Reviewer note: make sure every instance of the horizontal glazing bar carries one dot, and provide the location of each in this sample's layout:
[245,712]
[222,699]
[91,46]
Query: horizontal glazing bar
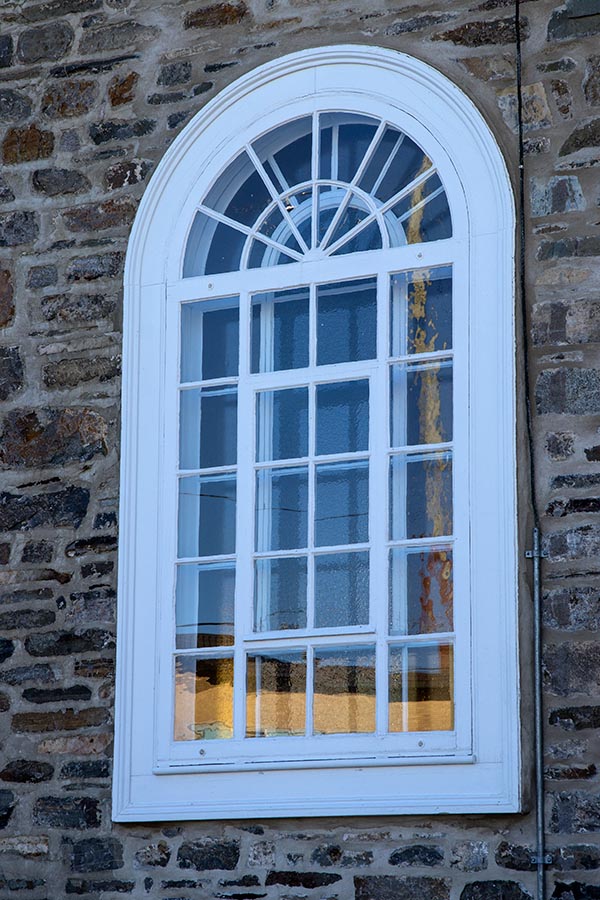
[210,382]
[334,548]
[435,541]
[310,639]
[206,560]
[213,471]
[423,358]
[303,460]
[420,448]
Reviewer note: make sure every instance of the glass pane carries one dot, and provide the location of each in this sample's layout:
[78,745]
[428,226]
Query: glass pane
[203,698]
[208,428]
[239,192]
[421,591]
[424,214]
[280,593]
[282,424]
[287,152]
[421,692]
[280,330]
[342,417]
[407,161]
[344,140]
[421,311]
[356,212]
[262,255]
[276,699]
[381,160]
[342,504]
[344,686]
[209,339]
[369,238]
[421,403]
[347,319]
[341,589]
[421,495]
[299,206]
[282,509]
[212,247]
[204,605]
[206,515]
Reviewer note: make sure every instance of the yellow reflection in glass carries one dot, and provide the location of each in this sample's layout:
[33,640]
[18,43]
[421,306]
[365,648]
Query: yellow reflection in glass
[276,697]
[203,698]
[344,690]
[421,693]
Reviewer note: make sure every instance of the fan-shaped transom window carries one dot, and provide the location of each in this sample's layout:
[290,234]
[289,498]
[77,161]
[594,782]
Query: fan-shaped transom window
[322,185]
[317,564]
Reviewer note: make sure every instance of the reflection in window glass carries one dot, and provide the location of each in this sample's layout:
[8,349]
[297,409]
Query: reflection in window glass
[421,495]
[206,515]
[421,403]
[203,698]
[280,593]
[344,686]
[282,509]
[204,605]
[341,589]
[346,321]
[276,698]
[421,691]
[280,330]
[421,311]
[209,339]
[421,590]
[342,504]
[342,417]
[282,424]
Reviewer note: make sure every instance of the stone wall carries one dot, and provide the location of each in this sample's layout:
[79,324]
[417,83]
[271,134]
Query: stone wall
[92,92]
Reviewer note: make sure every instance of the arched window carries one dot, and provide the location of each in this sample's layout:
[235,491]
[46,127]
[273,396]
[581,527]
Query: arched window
[317,530]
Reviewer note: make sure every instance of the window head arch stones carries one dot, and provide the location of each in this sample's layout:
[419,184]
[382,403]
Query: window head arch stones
[318,403]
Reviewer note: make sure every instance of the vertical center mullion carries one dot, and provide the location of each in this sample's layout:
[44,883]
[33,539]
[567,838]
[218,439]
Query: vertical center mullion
[378,519]
[244,580]
[310,611]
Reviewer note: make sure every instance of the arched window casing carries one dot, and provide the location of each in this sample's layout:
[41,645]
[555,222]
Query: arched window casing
[317,588]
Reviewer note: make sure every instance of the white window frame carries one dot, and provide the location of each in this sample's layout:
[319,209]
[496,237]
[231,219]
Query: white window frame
[480,771]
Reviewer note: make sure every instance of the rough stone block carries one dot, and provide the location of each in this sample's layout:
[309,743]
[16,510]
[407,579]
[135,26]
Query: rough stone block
[19,227]
[216,16]
[96,855]
[417,855]
[536,112]
[577,856]
[67,812]
[57,695]
[73,307]
[86,768]
[46,42]
[515,856]
[583,137]
[90,268]
[572,668]
[394,887]
[14,106]
[96,888]
[69,99]
[26,619]
[11,371]
[209,853]
[27,144]
[7,806]
[469,856]
[37,551]
[568,391]
[174,73]
[126,173]
[94,668]
[494,890]
[484,33]
[65,720]
[575,813]
[7,648]
[27,771]
[572,609]
[116,37]
[100,544]
[103,132]
[153,855]
[577,543]
[56,8]
[591,82]
[6,50]
[98,216]
[28,847]
[7,194]
[51,436]
[122,90]
[96,605]
[41,276]
[302,879]
[562,97]
[571,21]
[559,194]
[40,673]
[63,643]
[66,373]
[417,23]
[7,298]
[560,445]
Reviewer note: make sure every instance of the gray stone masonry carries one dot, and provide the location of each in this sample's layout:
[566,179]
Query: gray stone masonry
[92,93]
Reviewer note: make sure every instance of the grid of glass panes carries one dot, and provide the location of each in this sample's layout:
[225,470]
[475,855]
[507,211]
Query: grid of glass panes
[421,691]
[311,657]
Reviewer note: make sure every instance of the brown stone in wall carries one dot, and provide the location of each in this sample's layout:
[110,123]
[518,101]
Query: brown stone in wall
[216,15]
[27,144]
[591,82]
[122,90]
[7,295]
[50,437]
[97,216]
[116,37]
[70,372]
[482,33]
[68,99]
